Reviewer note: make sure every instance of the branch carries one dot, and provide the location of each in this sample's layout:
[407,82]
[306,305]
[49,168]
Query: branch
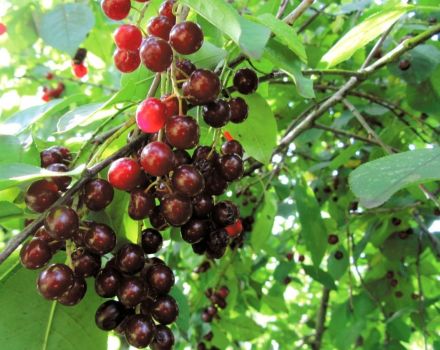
[320,321]
[282,8]
[312,18]
[296,13]
[87,175]
[354,82]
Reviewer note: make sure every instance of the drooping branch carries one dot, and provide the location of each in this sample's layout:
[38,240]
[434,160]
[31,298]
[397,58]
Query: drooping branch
[320,319]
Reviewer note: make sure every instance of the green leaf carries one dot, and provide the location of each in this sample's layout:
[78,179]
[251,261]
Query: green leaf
[259,143]
[66,26]
[287,62]
[262,228]
[208,56]
[49,326]
[375,182]
[242,327]
[285,33]
[9,210]
[313,229]
[423,97]
[81,116]
[249,36]
[13,174]
[362,34]
[184,311]
[320,276]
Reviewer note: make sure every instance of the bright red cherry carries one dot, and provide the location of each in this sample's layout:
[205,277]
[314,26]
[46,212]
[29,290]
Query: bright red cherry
[126,61]
[128,37]
[186,37]
[124,174]
[234,229]
[160,26]
[157,158]
[166,9]
[151,115]
[3,28]
[156,54]
[182,132]
[116,9]
[79,70]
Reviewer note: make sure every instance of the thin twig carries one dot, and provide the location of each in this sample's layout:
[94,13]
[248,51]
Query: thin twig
[282,8]
[298,11]
[312,18]
[320,319]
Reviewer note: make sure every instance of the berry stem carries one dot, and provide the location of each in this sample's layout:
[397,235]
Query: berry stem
[49,325]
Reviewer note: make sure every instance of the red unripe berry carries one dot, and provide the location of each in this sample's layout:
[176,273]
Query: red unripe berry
[49,76]
[3,28]
[234,229]
[228,136]
[157,158]
[186,38]
[79,70]
[172,104]
[116,9]
[124,174]
[151,115]
[126,61]
[160,26]
[156,54]
[128,37]
[166,9]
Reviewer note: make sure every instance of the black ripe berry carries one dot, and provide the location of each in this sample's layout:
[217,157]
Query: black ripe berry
[246,81]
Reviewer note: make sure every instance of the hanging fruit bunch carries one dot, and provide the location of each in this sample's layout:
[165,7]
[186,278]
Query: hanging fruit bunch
[172,180]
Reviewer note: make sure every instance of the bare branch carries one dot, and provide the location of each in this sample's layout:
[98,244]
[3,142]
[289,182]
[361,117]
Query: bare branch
[297,12]
[320,320]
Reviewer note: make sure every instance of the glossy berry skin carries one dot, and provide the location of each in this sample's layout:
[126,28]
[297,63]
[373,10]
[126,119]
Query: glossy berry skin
[234,229]
[232,147]
[61,223]
[124,174]
[245,81]
[186,37]
[225,213]
[239,110]
[404,65]
[157,220]
[55,281]
[157,158]
[156,54]
[202,87]
[130,258]
[176,210]
[79,70]
[50,156]
[107,282]
[126,61]
[202,205]
[141,204]
[231,167]
[85,264]
[195,230]
[160,278]
[165,310]
[160,26]
[62,182]
[75,293]
[163,338]
[44,236]
[217,240]
[217,114]
[35,254]
[131,291]
[182,132]
[100,239]
[166,9]
[333,239]
[215,184]
[184,69]
[116,9]
[98,194]
[151,241]
[128,37]
[181,157]
[139,331]
[109,315]
[171,103]
[151,115]
[41,195]
[187,181]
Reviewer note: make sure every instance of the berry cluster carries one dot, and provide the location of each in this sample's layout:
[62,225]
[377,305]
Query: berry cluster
[51,93]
